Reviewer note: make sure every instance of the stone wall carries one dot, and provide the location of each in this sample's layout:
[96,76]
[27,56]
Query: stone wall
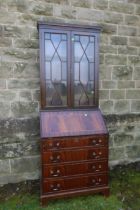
[19,77]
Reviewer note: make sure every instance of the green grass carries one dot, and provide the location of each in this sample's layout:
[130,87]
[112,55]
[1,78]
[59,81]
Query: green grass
[124,195]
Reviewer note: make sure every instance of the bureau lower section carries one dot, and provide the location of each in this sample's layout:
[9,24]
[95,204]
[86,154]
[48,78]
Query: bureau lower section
[74,166]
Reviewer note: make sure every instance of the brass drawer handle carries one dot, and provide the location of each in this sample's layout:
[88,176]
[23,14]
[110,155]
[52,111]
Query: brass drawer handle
[100,140]
[94,141]
[93,167]
[55,187]
[93,181]
[100,153]
[58,144]
[55,159]
[55,174]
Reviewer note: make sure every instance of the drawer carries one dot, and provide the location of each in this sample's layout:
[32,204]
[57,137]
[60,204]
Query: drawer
[56,185]
[60,143]
[74,155]
[56,170]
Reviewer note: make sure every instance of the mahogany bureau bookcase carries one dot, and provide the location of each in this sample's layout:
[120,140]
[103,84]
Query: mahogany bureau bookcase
[74,138]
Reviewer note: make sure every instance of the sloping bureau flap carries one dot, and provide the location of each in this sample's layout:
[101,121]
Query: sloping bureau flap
[71,123]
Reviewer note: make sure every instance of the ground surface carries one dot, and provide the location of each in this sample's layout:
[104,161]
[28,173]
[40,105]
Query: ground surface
[125,195]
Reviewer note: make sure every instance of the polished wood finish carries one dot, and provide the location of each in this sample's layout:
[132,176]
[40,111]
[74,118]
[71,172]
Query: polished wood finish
[71,123]
[74,137]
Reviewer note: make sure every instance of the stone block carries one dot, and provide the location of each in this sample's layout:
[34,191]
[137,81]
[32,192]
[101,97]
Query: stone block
[101,58]
[19,55]
[25,164]
[100,4]
[37,8]
[122,72]
[12,150]
[117,94]
[16,31]
[6,70]
[5,42]
[26,70]
[134,1]
[24,109]
[132,20]
[135,105]
[2,84]
[116,153]
[104,94]
[93,15]
[68,12]
[126,84]
[108,49]
[133,94]
[63,2]
[17,6]
[134,60]
[121,7]
[26,43]
[104,39]
[123,139]
[136,75]
[4,109]
[4,167]
[137,83]
[121,106]
[106,106]
[134,41]
[133,151]
[82,3]
[25,95]
[115,59]
[104,72]
[138,10]
[23,84]
[19,129]
[7,95]
[109,28]
[118,40]
[127,31]
[109,84]
[114,18]
[36,95]
[7,17]
[127,50]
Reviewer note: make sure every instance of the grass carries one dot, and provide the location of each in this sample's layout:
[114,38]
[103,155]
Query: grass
[124,195]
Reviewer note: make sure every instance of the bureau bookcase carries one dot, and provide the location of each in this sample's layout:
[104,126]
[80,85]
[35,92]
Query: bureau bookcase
[74,138]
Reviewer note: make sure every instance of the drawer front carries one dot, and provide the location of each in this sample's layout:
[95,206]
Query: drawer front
[74,155]
[58,185]
[58,143]
[56,170]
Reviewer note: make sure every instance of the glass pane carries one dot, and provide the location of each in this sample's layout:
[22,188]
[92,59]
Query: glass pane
[91,74]
[48,70]
[49,50]
[56,38]
[56,70]
[78,51]
[47,36]
[84,71]
[64,71]
[90,52]
[76,71]
[91,38]
[84,41]
[64,37]
[62,51]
